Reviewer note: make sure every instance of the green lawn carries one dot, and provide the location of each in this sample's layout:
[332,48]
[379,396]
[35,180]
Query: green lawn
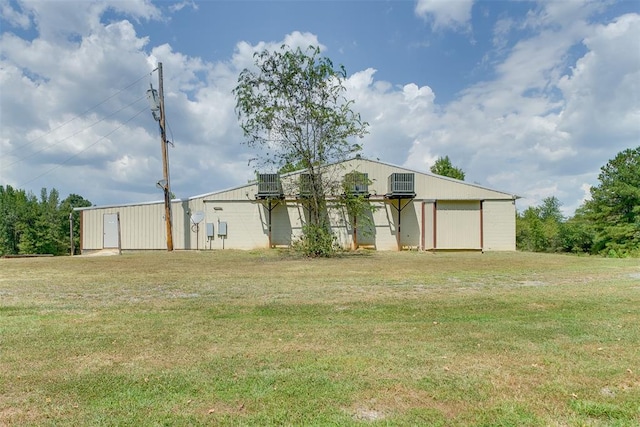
[265,338]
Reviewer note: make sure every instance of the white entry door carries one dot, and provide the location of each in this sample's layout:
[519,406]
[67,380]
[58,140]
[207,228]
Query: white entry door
[110,238]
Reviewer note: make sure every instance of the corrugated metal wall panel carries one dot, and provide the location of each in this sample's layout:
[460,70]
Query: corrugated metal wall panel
[92,230]
[246,225]
[183,237]
[187,235]
[341,226]
[143,227]
[409,223]
[458,225]
[384,219]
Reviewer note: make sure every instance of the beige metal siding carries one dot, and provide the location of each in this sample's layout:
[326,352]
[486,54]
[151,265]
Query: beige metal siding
[407,221]
[341,226]
[458,225]
[364,227]
[499,225]
[141,227]
[385,220]
[246,225]
[91,232]
[187,235]
[384,228]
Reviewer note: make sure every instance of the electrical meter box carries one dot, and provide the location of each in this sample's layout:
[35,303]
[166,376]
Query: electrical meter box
[222,229]
[210,230]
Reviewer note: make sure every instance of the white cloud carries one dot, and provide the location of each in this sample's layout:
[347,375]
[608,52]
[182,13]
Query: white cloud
[243,53]
[15,17]
[586,190]
[68,21]
[445,14]
[396,115]
[603,101]
[562,13]
[176,7]
[299,39]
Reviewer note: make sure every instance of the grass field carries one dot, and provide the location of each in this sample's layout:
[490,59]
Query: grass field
[264,338]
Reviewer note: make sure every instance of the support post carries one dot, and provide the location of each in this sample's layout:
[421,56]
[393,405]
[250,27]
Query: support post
[435,226]
[71,232]
[119,234]
[422,221]
[270,209]
[399,228]
[399,236]
[355,232]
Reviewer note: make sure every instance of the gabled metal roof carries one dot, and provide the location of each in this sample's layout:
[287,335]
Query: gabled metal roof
[289,174]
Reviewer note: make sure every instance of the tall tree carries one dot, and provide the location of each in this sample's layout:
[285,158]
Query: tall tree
[578,233]
[443,167]
[550,210]
[41,230]
[27,225]
[13,205]
[541,228]
[292,108]
[529,231]
[614,208]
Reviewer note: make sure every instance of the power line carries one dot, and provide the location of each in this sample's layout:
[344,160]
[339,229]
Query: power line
[80,115]
[74,134]
[85,149]
[170,132]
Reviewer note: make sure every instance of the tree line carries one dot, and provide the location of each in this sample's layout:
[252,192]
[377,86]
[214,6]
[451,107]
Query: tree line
[32,225]
[608,224]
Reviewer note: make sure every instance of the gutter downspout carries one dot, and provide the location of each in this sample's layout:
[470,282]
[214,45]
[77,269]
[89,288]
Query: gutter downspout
[422,245]
[482,225]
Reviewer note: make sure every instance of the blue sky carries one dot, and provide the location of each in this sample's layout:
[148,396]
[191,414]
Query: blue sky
[526,97]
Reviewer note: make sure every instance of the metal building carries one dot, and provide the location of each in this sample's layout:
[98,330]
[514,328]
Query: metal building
[411,210]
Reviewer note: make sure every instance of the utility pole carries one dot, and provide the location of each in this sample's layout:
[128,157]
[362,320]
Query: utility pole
[157,106]
[165,162]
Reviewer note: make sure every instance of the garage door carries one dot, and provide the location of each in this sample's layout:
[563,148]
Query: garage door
[458,225]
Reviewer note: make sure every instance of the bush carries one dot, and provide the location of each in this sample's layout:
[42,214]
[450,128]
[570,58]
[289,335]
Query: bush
[316,241]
